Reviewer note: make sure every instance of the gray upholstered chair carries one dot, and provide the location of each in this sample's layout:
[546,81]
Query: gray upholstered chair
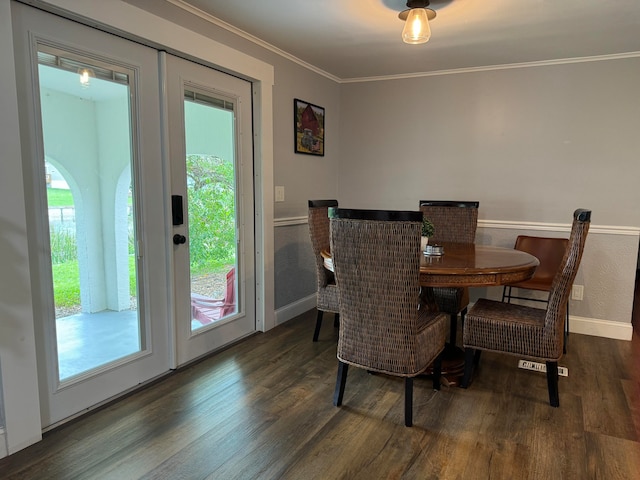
[526,331]
[454,221]
[327,292]
[376,259]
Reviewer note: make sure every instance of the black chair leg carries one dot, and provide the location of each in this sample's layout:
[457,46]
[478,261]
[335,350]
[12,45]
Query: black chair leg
[408,401]
[336,320]
[552,383]
[469,357]
[341,380]
[476,357]
[566,331]
[463,313]
[318,325]
[437,371]
[453,329]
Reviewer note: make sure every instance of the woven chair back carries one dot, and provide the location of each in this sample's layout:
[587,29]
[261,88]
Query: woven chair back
[376,259]
[563,280]
[453,221]
[319,235]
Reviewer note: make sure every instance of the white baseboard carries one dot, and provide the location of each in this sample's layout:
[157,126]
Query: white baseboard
[582,325]
[600,328]
[3,443]
[294,309]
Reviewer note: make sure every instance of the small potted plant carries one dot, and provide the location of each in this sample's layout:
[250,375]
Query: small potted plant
[427,231]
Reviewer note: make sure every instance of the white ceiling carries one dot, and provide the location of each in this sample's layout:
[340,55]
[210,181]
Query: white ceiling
[351,39]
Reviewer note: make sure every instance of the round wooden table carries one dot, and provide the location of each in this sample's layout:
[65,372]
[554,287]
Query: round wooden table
[470,265]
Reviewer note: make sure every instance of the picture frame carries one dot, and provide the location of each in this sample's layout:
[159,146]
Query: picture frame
[308,128]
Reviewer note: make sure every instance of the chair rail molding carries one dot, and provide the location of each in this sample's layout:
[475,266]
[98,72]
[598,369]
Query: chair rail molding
[289,221]
[558,227]
[507,225]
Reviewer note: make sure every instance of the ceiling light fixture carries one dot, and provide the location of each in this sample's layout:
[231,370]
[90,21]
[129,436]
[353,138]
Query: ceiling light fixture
[86,74]
[416,28]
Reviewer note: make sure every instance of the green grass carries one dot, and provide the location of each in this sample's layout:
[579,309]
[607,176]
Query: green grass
[66,281]
[59,197]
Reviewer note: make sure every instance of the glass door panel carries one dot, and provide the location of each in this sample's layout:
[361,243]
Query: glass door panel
[86,127]
[211,194]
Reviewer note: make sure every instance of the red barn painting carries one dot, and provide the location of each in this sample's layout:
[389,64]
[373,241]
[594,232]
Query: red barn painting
[309,121]
[309,128]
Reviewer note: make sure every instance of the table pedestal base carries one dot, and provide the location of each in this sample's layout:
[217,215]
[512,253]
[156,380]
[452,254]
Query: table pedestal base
[452,366]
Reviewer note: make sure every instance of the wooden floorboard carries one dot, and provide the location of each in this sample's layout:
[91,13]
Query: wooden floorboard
[263,409]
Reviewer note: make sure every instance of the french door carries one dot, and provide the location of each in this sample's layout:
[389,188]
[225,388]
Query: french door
[209,120]
[112,304]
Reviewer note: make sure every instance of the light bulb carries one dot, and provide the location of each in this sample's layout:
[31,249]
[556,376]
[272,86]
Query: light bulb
[416,28]
[85,76]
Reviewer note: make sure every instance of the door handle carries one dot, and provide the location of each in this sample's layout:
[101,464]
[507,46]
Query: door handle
[177,215]
[179,239]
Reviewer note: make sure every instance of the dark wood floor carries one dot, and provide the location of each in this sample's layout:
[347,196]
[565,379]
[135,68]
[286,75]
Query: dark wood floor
[636,305]
[262,410]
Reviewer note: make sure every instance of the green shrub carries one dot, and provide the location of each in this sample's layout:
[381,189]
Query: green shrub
[212,222]
[63,245]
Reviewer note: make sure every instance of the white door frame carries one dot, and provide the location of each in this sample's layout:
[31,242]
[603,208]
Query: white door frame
[20,378]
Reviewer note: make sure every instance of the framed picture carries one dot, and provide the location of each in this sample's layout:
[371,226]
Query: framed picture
[308,122]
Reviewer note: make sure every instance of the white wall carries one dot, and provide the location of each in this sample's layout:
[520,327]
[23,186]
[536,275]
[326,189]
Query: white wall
[17,344]
[531,144]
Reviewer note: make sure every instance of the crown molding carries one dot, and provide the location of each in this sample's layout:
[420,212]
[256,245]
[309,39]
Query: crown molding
[487,68]
[247,36]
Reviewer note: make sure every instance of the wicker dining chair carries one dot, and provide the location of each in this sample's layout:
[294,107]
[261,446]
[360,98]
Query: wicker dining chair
[454,221]
[327,291]
[549,252]
[376,259]
[526,331]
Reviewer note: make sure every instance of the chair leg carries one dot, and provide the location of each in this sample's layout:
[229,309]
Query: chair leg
[506,293]
[469,360]
[318,325]
[462,315]
[437,371]
[341,380]
[453,329]
[552,383]
[336,320]
[566,331]
[476,357]
[408,401]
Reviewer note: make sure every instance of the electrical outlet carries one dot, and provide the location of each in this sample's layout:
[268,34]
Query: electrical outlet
[577,292]
[279,194]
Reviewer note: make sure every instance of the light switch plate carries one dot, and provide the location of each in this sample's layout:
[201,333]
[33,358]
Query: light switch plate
[279,194]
